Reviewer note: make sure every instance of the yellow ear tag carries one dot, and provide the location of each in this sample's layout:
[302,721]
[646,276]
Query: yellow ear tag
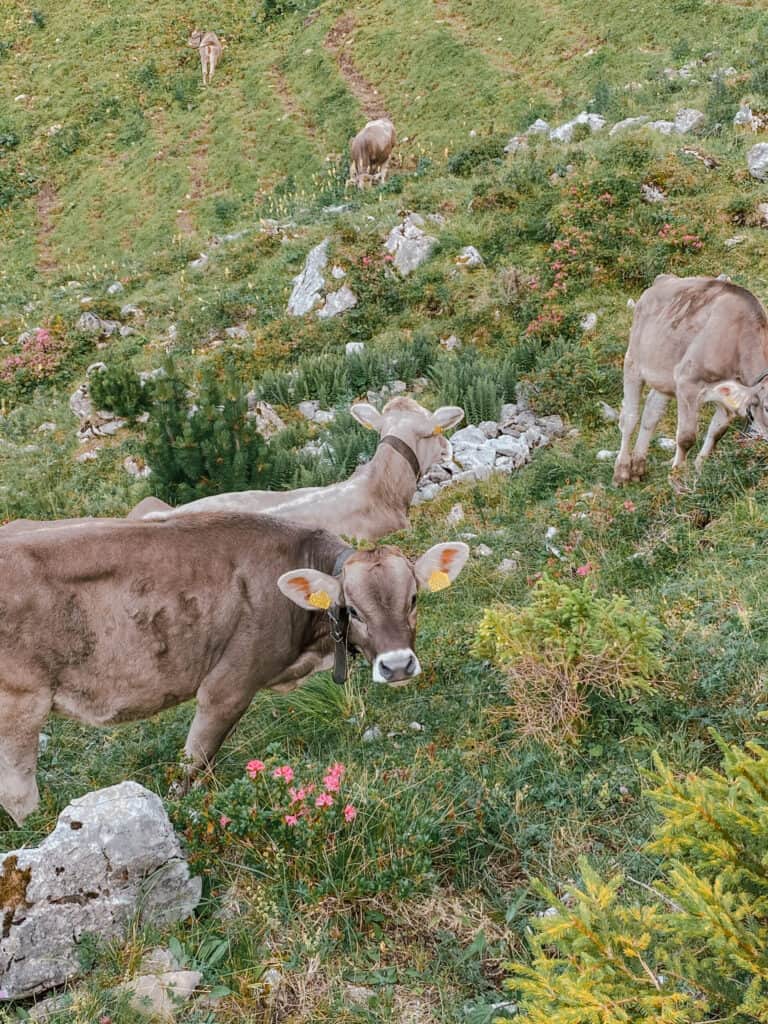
[319,599]
[438,581]
[733,403]
[438,430]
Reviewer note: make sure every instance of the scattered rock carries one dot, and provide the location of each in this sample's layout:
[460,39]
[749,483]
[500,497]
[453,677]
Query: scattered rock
[757,161]
[126,331]
[564,132]
[337,302]
[238,332]
[353,348]
[410,244]
[308,408]
[609,414]
[372,734]
[515,144]
[606,455]
[662,127]
[588,322]
[112,858]
[455,516]
[469,258]
[729,243]
[507,566]
[450,343]
[338,272]
[136,467]
[483,551]
[47,427]
[89,323]
[539,127]
[667,444]
[688,119]
[308,285]
[744,118]
[89,456]
[416,727]
[201,263]
[115,288]
[628,123]
[489,427]
[159,995]
[358,995]
[653,194]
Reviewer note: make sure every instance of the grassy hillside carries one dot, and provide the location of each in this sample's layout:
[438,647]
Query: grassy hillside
[116,165]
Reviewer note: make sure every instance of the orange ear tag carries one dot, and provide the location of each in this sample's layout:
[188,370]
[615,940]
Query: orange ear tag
[438,430]
[319,599]
[438,581]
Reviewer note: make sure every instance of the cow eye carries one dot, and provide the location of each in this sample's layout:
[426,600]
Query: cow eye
[413,601]
[354,614]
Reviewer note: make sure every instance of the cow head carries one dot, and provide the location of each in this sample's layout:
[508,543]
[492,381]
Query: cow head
[744,400]
[421,429]
[378,588]
[195,39]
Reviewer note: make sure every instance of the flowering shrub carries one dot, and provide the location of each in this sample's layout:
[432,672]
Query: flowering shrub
[41,354]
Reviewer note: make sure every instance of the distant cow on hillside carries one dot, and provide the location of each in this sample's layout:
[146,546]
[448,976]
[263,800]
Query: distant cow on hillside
[209,47]
[697,339]
[370,150]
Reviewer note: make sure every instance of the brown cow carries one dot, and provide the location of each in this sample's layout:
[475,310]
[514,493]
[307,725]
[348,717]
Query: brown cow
[375,500]
[697,339]
[209,47]
[114,621]
[370,150]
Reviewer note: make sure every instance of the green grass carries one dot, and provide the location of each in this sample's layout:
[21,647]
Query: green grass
[456,819]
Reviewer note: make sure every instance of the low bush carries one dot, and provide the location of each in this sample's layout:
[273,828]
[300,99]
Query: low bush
[565,652]
[120,389]
[467,161]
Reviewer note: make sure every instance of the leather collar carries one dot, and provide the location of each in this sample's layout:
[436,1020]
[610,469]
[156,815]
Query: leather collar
[339,616]
[405,450]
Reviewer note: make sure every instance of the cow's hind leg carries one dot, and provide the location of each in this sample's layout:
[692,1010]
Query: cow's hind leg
[22,716]
[655,404]
[717,427]
[630,413]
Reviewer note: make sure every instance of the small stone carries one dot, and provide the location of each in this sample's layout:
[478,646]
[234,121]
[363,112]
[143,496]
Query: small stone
[324,416]
[455,516]
[744,117]
[353,348]
[539,127]
[338,272]
[409,244]
[469,258]
[337,302]
[416,726]
[729,243]
[553,424]
[507,566]
[450,343]
[136,467]
[609,414]
[757,161]
[43,742]
[160,994]
[631,303]
[358,995]
[201,263]
[89,323]
[115,288]
[132,310]
[46,427]
[662,127]
[689,120]
[426,492]
[308,408]
[483,551]
[667,444]
[238,332]
[564,132]
[653,194]
[468,436]
[126,330]
[489,428]
[588,322]
[372,734]
[628,123]
[89,456]
[516,144]
[606,455]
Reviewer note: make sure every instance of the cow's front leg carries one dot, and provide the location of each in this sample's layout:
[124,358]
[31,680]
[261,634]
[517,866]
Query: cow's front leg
[218,712]
[630,413]
[718,425]
[22,716]
[655,404]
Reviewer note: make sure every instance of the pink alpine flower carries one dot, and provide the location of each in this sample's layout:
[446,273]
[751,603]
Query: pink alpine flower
[324,800]
[284,772]
[332,780]
[350,813]
[584,570]
[255,767]
[224,821]
[291,820]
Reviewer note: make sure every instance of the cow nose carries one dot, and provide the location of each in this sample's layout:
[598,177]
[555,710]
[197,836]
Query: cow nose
[395,666]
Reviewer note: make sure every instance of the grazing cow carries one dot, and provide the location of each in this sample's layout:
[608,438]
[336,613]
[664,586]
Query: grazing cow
[370,150]
[114,621]
[375,500]
[209,48]
[697,339]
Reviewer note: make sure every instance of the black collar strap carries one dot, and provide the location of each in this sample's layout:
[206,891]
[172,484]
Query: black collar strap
[405,450]
[760,379]
[339,616]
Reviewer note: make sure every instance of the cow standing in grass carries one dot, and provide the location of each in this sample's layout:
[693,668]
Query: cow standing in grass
[110,622]
[695,339]
[370,150]
[209,47]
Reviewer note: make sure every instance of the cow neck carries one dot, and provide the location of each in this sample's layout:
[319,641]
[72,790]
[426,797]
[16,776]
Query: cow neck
[394,473]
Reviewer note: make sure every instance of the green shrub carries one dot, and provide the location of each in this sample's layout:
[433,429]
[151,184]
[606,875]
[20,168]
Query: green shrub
[119,388]
[209,448]
[696,948]
[566,650]
[479,385]
[467,161]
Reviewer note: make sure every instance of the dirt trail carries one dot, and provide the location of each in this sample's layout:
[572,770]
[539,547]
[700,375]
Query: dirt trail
[337,43]
[198,166]
[47,206]
[288,102]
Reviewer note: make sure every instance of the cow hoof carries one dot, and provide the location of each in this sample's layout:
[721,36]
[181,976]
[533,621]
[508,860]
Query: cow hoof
[621,475]
[638,471]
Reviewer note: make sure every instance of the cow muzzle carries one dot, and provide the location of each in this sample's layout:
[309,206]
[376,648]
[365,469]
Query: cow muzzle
[396,667]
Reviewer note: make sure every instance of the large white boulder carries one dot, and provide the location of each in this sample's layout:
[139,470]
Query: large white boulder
[113,858]
[308,285]
[757,161]
[409,244]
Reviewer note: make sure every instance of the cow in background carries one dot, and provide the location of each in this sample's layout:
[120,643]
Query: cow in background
[370,150]
[209,47]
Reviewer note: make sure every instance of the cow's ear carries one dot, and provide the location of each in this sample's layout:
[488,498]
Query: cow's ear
[734,396]
[366,415]
[310,589]
[445,417]
[439,567]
